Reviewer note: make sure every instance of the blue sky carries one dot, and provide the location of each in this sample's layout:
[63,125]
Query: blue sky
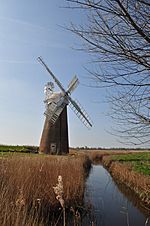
[29,29]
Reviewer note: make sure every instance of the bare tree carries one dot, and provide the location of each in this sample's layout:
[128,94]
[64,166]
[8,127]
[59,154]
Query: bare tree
[117,34]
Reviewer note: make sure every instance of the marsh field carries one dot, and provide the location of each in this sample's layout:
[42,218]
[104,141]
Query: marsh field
[99,188]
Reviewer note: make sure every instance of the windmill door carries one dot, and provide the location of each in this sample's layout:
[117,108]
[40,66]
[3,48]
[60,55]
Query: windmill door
[53,148]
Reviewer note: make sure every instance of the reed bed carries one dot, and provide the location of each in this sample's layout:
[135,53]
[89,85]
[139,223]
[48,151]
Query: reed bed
[26,187]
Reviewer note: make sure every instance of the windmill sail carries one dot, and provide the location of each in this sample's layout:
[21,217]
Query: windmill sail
[80,112]
[53,76]
[73,84]
[54,106]
[53,114]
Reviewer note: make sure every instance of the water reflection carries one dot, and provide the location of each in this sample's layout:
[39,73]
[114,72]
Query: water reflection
[109,206]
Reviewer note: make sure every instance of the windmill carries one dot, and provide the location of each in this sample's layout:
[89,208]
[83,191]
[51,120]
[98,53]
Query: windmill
[54,139]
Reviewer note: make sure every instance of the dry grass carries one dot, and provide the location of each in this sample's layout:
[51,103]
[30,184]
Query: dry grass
[26,187]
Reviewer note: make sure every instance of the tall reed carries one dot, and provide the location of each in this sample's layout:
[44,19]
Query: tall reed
[26,187]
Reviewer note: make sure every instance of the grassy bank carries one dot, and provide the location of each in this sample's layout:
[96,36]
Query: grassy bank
[26,187]
[139,162]
[132,170]
[18,149]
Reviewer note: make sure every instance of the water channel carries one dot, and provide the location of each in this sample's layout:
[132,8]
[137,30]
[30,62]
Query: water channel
[109,206]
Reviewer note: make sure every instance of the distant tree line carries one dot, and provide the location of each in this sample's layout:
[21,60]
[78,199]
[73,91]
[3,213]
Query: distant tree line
[103,148]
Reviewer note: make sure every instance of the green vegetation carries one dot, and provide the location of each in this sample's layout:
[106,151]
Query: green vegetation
[140,162]
[133,156]
[17,148]
[6,154]
[142,167]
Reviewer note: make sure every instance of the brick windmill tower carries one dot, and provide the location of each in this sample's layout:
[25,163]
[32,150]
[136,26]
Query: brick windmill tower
[54,139]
